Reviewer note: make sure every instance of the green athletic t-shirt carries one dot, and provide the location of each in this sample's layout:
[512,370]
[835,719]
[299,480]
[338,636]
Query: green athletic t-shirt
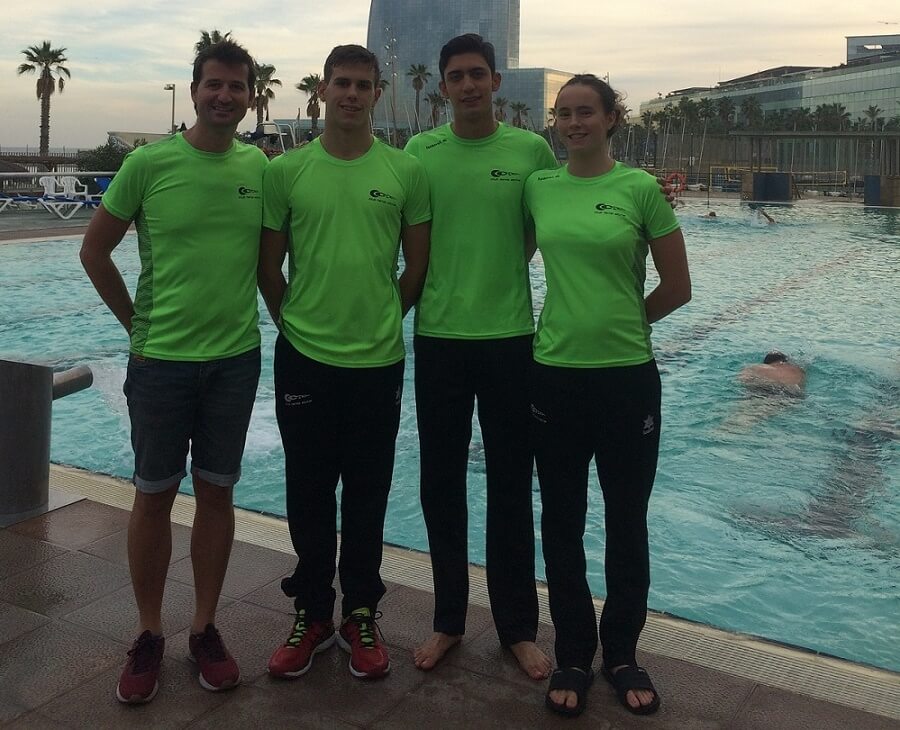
[344,217]
[477,285]
[198,216]
[593,236]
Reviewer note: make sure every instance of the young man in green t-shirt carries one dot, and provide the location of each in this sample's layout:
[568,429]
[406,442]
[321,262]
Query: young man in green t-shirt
[340,205]
[195,199]
[474,328]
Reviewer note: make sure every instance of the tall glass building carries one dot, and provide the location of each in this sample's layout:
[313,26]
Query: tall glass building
[403,33]
[869,78]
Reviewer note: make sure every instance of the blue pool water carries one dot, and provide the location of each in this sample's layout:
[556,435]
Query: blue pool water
[774,518]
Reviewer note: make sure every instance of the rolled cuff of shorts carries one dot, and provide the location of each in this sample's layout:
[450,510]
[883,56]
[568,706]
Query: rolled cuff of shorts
[160,485]
[220,480]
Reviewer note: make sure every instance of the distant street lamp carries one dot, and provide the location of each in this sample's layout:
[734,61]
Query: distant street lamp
[171,87]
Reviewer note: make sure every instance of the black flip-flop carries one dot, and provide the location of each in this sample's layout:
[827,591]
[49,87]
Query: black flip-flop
[628,679]
[570,679]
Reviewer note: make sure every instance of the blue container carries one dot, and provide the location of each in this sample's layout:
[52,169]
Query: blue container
[872,190]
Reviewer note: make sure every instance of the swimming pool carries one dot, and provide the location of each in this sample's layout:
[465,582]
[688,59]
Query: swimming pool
[775,519]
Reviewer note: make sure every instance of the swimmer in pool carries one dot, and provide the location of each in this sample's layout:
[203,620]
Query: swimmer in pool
[776,374]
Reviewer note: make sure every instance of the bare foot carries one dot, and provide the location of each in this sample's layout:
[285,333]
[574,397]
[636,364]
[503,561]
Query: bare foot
[433,650]
[533,661]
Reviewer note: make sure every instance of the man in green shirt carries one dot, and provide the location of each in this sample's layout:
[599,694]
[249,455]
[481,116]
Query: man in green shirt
[340,205]
[474,328]
[195,199]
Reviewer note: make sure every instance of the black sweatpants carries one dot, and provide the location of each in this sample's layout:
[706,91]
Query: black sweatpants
[610,415]
[336,423]
[450,375]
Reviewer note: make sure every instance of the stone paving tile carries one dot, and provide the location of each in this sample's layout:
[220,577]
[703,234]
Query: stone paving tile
[250,568]
[93,704]
[769,708]
[19,552]
[455,698]
[15,621]
[272,597]
[35,721]
[407,619]
[250,707]
[115,547]
[116,616]
[75,525]
[48,661]
[64,583]
[332,690]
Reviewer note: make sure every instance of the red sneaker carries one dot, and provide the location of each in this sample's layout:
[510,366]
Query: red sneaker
[361,637]
[218,669]
[295,656]
[139,681]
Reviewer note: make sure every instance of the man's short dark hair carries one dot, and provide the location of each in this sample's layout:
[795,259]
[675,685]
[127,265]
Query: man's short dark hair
[467,43]
[351,55]
[773,357]
[229,53]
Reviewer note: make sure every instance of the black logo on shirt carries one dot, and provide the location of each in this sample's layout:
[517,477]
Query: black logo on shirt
[505,175]
[245,192]
[434,144]
[607,209]
[377,196]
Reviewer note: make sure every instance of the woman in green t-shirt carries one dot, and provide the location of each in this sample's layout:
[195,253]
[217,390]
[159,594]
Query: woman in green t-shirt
[596,387]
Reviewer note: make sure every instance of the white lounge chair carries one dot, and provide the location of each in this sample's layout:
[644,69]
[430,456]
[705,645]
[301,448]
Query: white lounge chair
[76,190]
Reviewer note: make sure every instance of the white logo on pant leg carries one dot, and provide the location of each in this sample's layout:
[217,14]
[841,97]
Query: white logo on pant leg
[538,414]
[301,399]
[649,425]
[398,395]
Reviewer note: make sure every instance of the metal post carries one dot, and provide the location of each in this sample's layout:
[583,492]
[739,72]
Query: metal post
[26,394]
[171,87]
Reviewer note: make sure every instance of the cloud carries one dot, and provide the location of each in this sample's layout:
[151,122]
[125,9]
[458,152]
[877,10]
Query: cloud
[121,55]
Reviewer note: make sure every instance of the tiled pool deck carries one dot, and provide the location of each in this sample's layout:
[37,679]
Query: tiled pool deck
[67,618]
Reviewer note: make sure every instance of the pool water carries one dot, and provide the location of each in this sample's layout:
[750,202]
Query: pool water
[777,517]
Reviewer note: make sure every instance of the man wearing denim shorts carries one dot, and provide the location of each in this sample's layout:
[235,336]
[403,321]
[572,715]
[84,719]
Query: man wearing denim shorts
[195,199]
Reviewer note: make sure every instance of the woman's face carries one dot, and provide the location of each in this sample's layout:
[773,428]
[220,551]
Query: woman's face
[581,119]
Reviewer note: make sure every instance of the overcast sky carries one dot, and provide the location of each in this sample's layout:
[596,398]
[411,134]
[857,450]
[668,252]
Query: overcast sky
[121,55]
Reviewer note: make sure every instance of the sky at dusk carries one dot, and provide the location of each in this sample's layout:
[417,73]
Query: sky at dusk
[121,55]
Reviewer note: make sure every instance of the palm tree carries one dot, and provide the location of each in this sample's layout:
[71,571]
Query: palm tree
[436,100]
[46,61]
[751,111]
[419,74]
[725,111]
[264,93]
[872,112]
[519,108]
[500,103]
[309,85]
[210,38]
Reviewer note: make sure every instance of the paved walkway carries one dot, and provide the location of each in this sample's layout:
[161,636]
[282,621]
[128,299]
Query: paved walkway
[67,618]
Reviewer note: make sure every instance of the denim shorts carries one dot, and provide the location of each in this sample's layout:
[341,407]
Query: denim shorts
[201,407]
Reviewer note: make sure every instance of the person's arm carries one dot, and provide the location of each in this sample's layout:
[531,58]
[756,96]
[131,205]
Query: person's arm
[667,192]
[269,276]
[104,233]
[674,288]
[416,241]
